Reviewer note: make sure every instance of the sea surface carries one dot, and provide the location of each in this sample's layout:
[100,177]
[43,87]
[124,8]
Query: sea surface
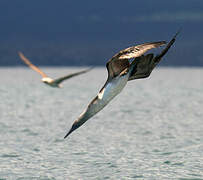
[152,130]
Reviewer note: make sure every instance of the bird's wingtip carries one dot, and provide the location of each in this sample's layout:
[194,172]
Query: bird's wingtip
[20,53]
[178,32]
[161,43]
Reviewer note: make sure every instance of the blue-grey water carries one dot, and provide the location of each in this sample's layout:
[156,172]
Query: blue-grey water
[152,130]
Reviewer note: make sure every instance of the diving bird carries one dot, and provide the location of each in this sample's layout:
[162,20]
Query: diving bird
[120,71]
[47,80]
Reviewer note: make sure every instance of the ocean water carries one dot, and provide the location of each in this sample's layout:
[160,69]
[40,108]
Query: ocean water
[152,130]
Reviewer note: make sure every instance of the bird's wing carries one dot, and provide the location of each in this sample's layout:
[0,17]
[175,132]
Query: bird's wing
[119,62]
[59,80]
[116,66]
[157,59]
[143,65]
[35,68]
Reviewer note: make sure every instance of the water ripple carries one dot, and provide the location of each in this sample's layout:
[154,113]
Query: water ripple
[155,134]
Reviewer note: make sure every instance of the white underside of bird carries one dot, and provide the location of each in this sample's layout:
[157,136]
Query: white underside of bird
[49,81]
[112,88]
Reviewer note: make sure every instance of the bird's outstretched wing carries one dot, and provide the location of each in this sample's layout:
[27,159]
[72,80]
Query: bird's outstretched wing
[143,65]
[119,62]
[157,59]
[27,61]
[59,80]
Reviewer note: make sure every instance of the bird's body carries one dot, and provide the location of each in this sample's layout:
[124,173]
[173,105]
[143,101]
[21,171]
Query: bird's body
[47,80]
[113,87]
[120,71]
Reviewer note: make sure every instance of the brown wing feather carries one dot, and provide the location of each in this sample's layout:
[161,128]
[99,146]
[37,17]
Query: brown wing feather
[116,67]
[144,65]
[119,62]
[136,51]
[35,68]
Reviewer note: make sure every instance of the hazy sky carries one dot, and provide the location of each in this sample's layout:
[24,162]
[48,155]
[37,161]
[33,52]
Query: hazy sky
[76,32]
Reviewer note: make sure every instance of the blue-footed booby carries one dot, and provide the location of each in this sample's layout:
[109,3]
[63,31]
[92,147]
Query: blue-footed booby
[47,80]
[120,71]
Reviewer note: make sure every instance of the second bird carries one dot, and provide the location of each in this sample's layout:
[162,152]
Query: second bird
[47,80]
